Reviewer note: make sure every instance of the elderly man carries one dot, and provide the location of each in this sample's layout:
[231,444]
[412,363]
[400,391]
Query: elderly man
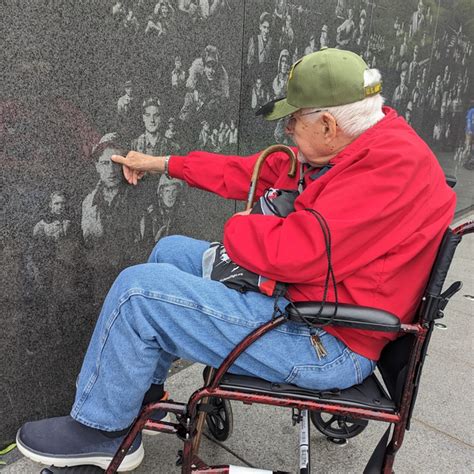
[383,196]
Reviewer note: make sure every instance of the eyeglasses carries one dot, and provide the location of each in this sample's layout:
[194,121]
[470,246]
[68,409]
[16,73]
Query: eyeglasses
[291,119]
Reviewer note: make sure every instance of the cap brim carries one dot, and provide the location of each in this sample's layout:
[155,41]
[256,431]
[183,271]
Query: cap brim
[276,109]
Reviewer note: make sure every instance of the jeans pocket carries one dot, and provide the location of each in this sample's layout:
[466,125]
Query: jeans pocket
[338,373]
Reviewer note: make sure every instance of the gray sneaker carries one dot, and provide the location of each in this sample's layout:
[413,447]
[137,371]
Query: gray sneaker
[65,442]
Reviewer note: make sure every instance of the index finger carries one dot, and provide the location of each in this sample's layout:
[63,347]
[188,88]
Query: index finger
[118,159]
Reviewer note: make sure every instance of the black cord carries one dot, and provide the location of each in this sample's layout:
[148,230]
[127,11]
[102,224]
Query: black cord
[329,274]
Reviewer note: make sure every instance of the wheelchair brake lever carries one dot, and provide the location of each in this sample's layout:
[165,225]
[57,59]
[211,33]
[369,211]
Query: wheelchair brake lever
[452,290]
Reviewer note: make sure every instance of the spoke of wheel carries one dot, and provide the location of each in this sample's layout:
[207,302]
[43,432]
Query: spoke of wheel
[328,423]
[345,427]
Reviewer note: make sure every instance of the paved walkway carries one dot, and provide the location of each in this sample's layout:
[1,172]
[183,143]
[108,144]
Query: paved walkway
[440,440]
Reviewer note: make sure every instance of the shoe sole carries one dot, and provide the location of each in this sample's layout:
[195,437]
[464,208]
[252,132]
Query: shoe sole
[167,418]
[129,463]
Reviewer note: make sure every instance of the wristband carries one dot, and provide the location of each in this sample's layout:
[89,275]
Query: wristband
[167,161]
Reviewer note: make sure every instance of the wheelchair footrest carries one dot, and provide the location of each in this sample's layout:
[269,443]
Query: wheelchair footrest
[369,394]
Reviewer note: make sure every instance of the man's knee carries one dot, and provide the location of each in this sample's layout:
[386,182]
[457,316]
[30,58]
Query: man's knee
[166,248]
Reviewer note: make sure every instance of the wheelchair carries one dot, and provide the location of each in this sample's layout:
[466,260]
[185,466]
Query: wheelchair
[338,414]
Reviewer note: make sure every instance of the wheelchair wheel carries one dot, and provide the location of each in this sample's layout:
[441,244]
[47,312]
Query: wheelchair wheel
[220,420]
[337,427]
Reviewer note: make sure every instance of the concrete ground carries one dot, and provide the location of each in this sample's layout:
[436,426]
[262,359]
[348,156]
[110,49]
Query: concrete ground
[440,439]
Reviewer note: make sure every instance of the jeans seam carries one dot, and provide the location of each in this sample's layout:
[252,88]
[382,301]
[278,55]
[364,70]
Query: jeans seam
[191,305]
[211,312]
[357,367]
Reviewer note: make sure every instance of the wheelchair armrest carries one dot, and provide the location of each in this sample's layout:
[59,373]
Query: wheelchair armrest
[451,180]
[356,317]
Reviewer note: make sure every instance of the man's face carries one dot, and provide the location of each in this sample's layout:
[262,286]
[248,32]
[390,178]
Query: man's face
[307,132]
[109,172]
[169,194]
[403,78]
[58,205]
[128,91]
[265,30]
[210,70]
[151,118]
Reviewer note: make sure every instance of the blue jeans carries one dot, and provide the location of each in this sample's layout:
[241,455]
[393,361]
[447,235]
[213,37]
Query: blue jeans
[163,310]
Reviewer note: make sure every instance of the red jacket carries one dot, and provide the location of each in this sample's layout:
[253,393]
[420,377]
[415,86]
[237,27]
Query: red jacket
[387,206]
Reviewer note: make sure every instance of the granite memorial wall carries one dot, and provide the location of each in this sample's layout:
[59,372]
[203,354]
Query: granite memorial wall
[84,80]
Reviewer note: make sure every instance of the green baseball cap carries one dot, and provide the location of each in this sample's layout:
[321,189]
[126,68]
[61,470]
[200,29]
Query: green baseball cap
[326,78]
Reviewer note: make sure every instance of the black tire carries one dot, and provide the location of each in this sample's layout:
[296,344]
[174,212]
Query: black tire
[337,427]
[221,421]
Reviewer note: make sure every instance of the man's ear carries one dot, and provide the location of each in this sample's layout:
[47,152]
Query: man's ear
[330,125]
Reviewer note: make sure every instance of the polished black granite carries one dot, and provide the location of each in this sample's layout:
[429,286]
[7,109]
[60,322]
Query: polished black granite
[83,79]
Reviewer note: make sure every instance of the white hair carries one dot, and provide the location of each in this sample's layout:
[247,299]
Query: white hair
[354,119]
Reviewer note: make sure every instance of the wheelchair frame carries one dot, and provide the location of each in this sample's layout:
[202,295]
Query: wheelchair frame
[382,460]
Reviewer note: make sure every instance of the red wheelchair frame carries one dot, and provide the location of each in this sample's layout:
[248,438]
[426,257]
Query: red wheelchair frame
[400,365]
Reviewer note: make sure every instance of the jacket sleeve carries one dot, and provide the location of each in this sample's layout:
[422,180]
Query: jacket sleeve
[226,175]
[368,214]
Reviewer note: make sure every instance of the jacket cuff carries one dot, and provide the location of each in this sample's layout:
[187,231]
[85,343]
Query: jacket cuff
[176,166]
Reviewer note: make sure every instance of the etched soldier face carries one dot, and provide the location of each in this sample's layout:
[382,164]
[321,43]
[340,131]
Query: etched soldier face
[57,204]
[151,118]
[109,172]
[210,70]
[265,30]
[403,78]
[169,194]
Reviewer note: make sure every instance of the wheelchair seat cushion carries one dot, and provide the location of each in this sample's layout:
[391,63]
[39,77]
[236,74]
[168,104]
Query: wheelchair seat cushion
[369,394]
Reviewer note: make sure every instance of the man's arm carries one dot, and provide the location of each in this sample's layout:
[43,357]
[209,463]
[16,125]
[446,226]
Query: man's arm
[226,175]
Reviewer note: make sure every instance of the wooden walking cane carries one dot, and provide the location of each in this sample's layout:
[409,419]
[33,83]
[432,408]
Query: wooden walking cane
[250,201]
